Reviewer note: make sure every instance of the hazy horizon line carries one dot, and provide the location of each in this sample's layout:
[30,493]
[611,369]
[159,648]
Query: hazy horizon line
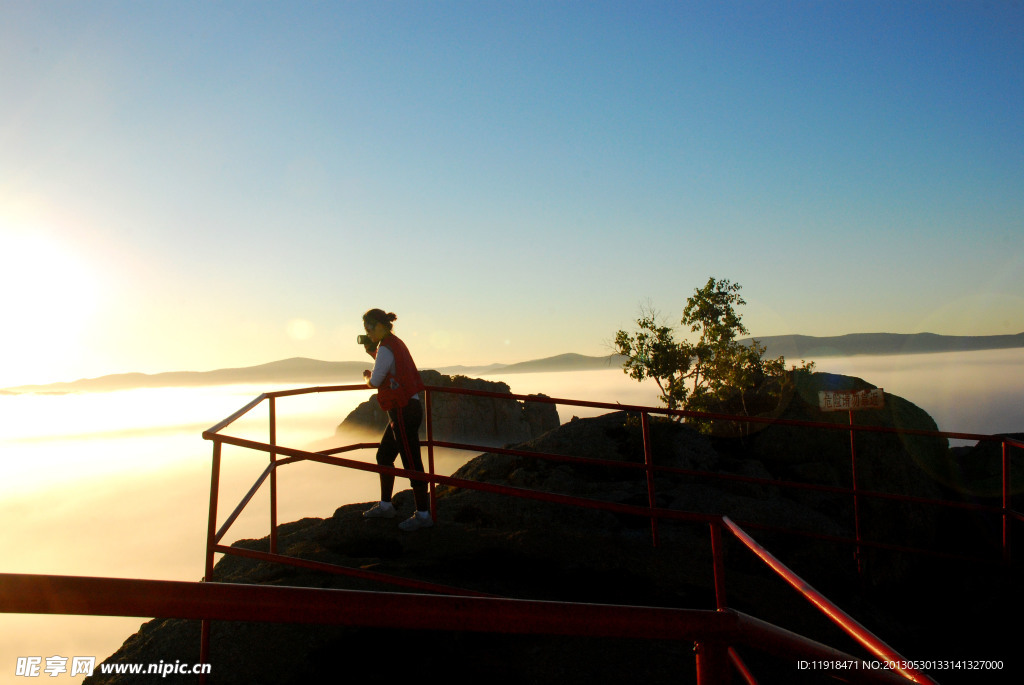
[298,369]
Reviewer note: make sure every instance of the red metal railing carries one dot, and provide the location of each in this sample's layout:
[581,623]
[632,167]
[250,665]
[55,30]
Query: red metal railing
[852,628]
[46,594]
[712,663]
[716,633]
[1006,512]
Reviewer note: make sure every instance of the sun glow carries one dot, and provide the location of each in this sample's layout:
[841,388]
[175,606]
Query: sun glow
[48,295]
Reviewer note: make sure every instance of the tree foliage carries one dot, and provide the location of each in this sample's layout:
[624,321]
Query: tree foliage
[717,373]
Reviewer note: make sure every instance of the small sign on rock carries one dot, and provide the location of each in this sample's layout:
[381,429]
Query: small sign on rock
[850,400]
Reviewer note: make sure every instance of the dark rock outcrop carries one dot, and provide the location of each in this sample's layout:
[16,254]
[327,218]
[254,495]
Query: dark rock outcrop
[977,478]
[890,463]
[978,470]
[482,420]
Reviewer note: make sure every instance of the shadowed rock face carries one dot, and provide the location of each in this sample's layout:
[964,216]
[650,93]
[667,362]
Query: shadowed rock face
[483,420]
[900,464]
[979,470]
[528,549]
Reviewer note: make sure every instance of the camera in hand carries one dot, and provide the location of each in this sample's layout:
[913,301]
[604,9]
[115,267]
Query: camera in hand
[364,340]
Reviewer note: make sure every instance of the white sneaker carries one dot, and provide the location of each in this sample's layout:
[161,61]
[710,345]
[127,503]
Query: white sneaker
[380,511]
[415,522]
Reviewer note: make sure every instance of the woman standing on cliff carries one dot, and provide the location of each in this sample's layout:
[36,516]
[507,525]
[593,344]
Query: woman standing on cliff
[398,386]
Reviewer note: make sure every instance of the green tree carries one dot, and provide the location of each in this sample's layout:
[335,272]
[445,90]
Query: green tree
[717,373]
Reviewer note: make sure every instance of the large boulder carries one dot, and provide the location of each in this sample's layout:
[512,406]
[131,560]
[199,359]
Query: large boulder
[686,483]
[901,464]
[979,469]
[455,417]
[977,478]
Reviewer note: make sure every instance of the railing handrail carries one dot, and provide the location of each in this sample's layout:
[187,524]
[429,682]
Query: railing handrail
[615,406]
[632,509]
[850,626]
[98,596]
[1005,511]
[213,434]
[713,416]
[82,595]
[864,637]
[295,454]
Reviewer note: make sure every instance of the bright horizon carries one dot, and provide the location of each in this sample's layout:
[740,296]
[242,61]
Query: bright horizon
[195,186]
[823,360]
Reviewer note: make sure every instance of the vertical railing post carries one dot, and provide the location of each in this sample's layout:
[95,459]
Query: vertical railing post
[211,529]
[712,663]
[273,476]
[718,562]
[1006,504]
[211,542]
[856,500]
[430,452]
[649,467]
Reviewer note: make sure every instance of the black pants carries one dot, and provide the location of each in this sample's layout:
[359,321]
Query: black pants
[402,437]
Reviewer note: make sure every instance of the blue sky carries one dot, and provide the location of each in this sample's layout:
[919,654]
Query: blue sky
[197,185]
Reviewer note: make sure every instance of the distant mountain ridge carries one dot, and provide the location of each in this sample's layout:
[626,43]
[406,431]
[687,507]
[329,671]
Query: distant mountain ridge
[797,346]
[294,370]
[300,370]
[314,371]
[561,362]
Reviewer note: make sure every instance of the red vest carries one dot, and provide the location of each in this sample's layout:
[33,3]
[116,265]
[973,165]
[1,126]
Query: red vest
[400,385]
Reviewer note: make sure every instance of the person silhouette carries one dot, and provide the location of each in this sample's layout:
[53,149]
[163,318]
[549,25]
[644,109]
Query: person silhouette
[398,386]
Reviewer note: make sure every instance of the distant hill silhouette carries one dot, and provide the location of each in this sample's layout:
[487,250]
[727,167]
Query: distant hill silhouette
[301,370]
[563,362]
[797,346]
[295,370]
